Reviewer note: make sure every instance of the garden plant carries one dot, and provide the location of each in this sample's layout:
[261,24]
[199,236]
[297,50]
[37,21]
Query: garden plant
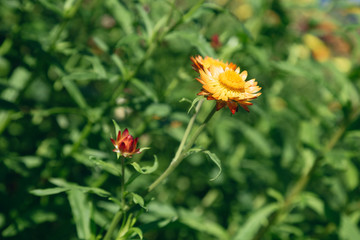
[180,119]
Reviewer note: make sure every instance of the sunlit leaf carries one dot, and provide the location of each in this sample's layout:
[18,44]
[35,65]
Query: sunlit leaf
[255,221]
[48,191]
[349,229]
[81,209]
[121,14]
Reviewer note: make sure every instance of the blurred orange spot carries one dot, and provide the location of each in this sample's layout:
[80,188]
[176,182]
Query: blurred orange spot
[176,124]
[318,48]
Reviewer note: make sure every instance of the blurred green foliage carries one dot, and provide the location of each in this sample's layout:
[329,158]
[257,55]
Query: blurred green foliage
[67,68]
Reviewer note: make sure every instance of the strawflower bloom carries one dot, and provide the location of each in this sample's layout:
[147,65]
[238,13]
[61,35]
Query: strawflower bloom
[224,83]
[125,144]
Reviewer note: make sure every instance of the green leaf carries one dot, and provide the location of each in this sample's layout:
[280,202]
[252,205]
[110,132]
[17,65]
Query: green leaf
[107,166]
[48,191]
[132,177]
[145,89]
[257,139]
[276,195]
[83,75]
[59,182]
[290,68]
[193,103]
[18,80]
[137,231]
[313,202]
[81,209]
[348,229]
[194,39]
[213,6]
[147,22]
[309,134]
[137,199]
[71,7]
[126,229]
[104,47]
[98,191]
[119,63]
[202,224]
[192,12]
[73,186]
[254,222]
[160,110]
[121,14]
[351,175]
[74,92]
[217,162]
[47,4]
[147,169]
[117,128]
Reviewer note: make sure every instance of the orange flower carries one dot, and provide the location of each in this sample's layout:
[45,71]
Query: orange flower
[125,144]
[225,83]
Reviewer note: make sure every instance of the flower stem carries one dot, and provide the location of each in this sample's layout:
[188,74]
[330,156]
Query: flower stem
[113,225]
[122,182]
[116,219]
[182,150]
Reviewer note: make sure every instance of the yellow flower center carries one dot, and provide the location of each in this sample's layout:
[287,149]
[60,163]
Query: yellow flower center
[232,80]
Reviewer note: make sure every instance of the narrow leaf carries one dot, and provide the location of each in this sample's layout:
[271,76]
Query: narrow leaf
[98,191]
[107,166]
[255,221]
[147,22]
[137,231]
[117,128]
[48,191]
[147,169]
[74,92]
[194,102]
[121,14]
[202,224]
[73,186]
[145,89]
[137,199]
[81,209]
[217,162]
[119,63]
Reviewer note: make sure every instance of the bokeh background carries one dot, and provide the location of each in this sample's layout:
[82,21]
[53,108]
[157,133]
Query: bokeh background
[67,68]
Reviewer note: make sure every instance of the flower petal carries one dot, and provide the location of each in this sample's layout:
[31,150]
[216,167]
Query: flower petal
[224,83]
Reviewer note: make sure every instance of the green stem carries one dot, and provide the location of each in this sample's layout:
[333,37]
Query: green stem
[115,221]
[182,150]
[122,182]
[199,130]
